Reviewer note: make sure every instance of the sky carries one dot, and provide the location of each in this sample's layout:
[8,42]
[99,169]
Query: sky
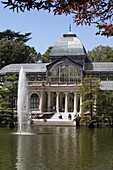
[46,29]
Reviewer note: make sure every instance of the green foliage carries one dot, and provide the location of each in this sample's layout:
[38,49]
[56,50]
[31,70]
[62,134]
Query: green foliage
[89,92]
[8,92]
[12,52]
[38,57]
[13,49]
[101,54]
[11,35]
[85,12]
[101,102]
[105,103]
[45,57]
[5,104]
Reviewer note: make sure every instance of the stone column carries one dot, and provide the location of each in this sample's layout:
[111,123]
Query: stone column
[66,102]
[75,102]
[95,104]
[80,104]
[41,102]
[49,101]
[57,102]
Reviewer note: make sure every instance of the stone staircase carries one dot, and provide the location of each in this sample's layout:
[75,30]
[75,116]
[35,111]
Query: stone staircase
[51,122]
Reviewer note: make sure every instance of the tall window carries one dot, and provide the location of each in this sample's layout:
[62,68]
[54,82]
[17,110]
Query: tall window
[65,72]
[34,102]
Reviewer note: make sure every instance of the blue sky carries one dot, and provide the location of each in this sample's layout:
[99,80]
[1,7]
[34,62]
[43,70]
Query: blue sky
[46,29]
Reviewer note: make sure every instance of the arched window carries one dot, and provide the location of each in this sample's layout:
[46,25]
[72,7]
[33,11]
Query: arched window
[65,72]
[34,101]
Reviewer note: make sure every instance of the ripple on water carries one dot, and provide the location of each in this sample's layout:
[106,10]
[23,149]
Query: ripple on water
[23,133]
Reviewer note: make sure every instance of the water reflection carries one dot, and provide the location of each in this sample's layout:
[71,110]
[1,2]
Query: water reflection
[24,152]
[57,148]
[65,149]
[95,147]
[49,148]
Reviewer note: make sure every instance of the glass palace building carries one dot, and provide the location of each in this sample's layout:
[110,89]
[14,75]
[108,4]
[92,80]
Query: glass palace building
[53,88]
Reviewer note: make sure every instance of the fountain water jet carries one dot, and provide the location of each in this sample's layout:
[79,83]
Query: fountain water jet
[22,101]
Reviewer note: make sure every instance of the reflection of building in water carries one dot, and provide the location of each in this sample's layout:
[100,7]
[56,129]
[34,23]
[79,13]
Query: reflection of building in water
[26,153]
[19,157]
[65,144]
[53,87]
[47,149]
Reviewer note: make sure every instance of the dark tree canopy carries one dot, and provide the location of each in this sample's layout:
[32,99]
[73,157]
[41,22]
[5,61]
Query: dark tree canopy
[14,50]
[101,54]
[89,92]
[88,12]
[8,92]
[105,102]
[11,35]
[45,57]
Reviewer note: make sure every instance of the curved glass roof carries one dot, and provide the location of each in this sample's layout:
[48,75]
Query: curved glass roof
[101,66]
[106,85]
[68,45]
[15,68]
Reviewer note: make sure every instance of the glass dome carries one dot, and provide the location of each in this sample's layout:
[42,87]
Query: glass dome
[68,45]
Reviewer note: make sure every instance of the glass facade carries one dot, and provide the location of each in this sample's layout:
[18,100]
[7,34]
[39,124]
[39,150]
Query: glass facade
[64,72]
[69,64]
[36,77]
[34,102]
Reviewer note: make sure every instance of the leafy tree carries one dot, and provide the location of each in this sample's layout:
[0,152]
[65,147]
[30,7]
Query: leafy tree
[101,54]
[88,12]
[89,92]
[11,35]
[38,57]
[45,57]
[13,48]
[8,92]
[105,103]
[16,52]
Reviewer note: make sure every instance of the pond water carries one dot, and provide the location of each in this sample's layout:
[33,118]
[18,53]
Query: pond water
[57,148]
